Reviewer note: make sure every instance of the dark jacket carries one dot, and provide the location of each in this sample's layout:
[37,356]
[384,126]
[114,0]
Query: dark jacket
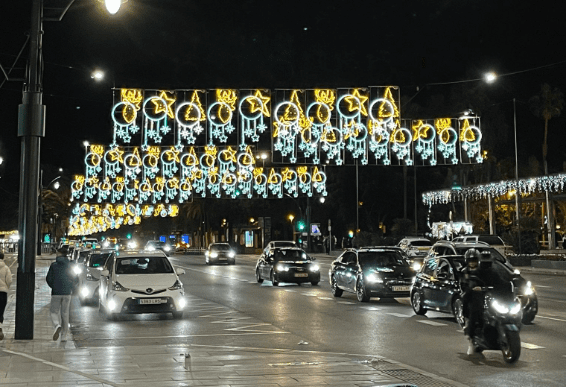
[61,278]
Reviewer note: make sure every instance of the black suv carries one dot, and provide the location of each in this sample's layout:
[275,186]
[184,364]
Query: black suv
[371,272]
[444,249]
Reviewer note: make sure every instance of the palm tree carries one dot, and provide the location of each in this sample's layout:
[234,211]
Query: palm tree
[546,105]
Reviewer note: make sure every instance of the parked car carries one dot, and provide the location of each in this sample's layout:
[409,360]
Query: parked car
[526,291]
[89,278]
[416,249]
[158,245]
[141,283]
[371,272]
[220,252]
[287,264]
[492,240]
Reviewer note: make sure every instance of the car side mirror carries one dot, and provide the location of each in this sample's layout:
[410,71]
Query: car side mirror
[104,273]
[179,271]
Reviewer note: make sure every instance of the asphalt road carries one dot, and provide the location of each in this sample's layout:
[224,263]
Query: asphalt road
[228,307]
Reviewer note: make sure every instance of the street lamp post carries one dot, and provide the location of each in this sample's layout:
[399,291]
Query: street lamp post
[517,192]
[31,128]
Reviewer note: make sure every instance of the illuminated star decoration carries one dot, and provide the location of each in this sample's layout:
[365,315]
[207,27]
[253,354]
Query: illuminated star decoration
[357,101]
[264,107]
[168,108]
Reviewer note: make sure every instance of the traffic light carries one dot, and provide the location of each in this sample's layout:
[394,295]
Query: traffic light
[300,225]
[129,236]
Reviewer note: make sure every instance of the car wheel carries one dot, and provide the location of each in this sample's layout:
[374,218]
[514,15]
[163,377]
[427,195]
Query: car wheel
[258,277]
[334,289]
[232,262]
[361,291]
[417,303]
[178,315]
[314,283]
[528,318]
[458,311]
[273,282]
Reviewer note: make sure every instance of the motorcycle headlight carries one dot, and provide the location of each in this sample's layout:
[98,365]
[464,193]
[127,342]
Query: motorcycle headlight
[515,308]
[281,267]
[499,307]
[177,285]
[118,287]
[314,268]
[374,278]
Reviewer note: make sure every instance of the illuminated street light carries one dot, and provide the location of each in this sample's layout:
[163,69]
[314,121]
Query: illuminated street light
[113,6]
[97,75]
[490,77]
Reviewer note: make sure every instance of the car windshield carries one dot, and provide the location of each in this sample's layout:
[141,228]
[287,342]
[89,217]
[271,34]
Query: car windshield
[98,260]
[143,265]
[490,239]
[290,255]
[381,259]
[220,247]
[485,251]
[421,243]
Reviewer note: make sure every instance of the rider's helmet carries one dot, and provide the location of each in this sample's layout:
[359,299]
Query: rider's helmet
[472,258]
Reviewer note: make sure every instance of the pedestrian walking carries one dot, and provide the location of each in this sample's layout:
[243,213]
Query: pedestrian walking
[5,282]
[62,281]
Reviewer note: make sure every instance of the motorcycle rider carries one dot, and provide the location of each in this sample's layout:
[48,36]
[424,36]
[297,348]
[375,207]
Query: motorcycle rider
[474,277]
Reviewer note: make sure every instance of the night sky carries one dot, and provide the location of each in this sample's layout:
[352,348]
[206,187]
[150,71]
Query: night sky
[174,44]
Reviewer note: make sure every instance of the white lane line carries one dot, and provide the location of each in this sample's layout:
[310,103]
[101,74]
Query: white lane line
[346,302]
[542,286]
[398,315]
[433,323]
[325,298]
[371,308]
[551,318]
[89,376]
[531,346]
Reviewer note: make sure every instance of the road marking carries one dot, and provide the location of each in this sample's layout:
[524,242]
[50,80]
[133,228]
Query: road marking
[325,298]
[230,320]
[371,308]
[433,323]
[542,286]
[531,346]
[398,315]
[84,374]
[551,318]
[244,329]
[346,302]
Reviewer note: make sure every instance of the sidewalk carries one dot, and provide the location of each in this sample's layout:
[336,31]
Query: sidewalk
[47,363]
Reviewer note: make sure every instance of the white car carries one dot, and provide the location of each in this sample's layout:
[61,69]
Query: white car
[89,277]
[142,282]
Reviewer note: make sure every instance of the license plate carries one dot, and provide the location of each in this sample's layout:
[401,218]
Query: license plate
[152,301]
[301,274]
[400,288]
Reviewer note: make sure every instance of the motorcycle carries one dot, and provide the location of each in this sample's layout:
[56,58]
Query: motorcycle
[500,324]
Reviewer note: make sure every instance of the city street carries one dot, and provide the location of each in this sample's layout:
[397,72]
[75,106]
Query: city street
[228,308]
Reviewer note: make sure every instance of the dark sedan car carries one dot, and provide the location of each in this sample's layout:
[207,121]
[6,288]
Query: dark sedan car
[524,289]
[220,252]
[371,272]
[287,264]
[437,285]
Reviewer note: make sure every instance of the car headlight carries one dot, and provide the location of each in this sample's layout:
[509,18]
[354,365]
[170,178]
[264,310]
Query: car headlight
[182,304]
[77,270]
[150,248]
[167,248]
[374,278]
[314,268]
[118,287]
[214,255]
[416,266]
[132,245]
[231,254]
[529,289]
[178,285]
[281,267]
[112,305]
[84,292]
